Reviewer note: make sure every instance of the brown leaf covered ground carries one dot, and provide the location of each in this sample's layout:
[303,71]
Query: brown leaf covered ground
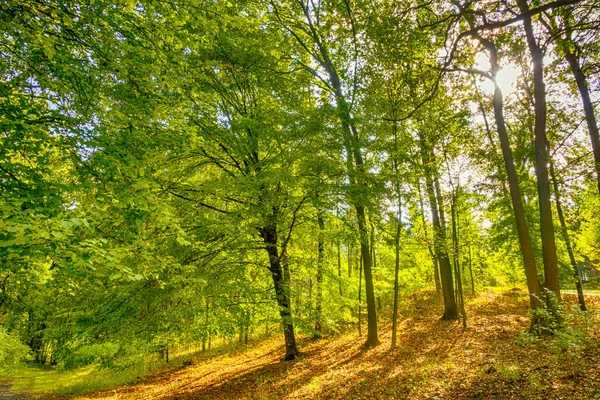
[434,360]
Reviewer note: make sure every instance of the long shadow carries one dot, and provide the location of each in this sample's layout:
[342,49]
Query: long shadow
[433,359]
[275,380]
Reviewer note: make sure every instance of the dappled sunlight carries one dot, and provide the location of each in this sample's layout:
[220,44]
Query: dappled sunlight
[433,358]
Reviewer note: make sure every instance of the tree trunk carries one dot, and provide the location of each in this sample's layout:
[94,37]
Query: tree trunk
[282,292]
[533,284]
[439,236]
[318,311]
[206,319]
[339,266]
[436,270]
[360,269]
[355,170]
[565,235]
[471,269]
[588,107]
[459,288]
[396,272]
[541,155]
[350,260]
[372,337]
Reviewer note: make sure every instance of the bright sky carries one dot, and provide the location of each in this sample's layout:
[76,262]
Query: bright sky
[507,76]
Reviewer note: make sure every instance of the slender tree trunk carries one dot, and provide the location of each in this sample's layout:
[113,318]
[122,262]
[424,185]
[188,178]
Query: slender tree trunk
[372,337]
[533,284]
[374,258]
[339,266]
[436,270]
[319,313]
[206,319]
[471,269]
[438,195]
[350,254]
[396,272]
[541,155]
[360,270]
[588,107]
[355,168]
[565,235]
[282,292]
[459,288]
[439,235]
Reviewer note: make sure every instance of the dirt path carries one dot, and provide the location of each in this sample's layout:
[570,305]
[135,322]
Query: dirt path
[5,393]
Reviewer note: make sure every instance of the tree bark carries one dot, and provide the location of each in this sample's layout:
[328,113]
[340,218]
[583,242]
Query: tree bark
[459,288]
[436,270]
[350,251]
[588,108]
[354,162]
[360,270]
[541,155]
[320,256]
[206,320]
[339,266]
[565,235]
[282,290]
[396,272]
[439,236]
[533,284]
[471,268]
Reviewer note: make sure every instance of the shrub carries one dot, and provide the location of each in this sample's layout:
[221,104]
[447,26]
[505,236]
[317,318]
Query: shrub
[12,352]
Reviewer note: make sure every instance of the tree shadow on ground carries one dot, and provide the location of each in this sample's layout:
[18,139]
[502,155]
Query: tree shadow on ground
[434,359]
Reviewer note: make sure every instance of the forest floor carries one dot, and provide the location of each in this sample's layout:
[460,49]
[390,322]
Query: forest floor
[434,360]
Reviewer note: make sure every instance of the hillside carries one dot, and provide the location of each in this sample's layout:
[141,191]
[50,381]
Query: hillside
[434,360]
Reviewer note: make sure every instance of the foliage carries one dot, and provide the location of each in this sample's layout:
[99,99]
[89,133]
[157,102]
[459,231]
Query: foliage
[13,353]
[182,173]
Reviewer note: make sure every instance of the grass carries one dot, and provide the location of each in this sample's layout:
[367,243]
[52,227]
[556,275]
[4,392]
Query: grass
[31,381]
[434,359]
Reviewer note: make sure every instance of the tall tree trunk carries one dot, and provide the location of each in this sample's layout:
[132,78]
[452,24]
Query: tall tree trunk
[372,337]
[459,288]
[396,272]
[360,270]
[206,320]
[439,235]
[339,266]
[471,268]
[350,254]
[319,312]
[374,258]
[434,259]
[533,284]
[282,290]
[588,107]
[354,161]
[541,155]
[565,235]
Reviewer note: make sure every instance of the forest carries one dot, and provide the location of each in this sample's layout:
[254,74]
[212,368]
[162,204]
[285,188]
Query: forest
[305,198]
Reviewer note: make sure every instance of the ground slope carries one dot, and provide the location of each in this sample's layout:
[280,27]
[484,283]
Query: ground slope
[434,360]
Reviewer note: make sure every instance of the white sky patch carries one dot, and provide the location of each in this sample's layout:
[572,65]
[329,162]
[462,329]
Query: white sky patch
[506,78]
